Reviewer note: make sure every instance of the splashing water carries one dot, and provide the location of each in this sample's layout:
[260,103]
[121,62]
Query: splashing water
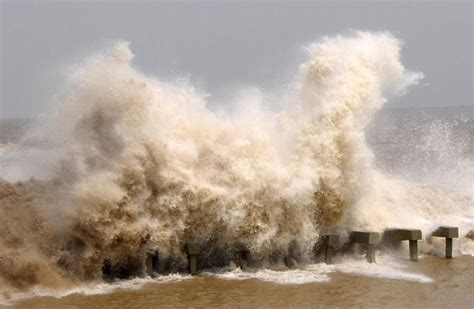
[144,165]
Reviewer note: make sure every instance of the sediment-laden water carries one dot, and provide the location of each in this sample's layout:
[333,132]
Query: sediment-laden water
[450,287]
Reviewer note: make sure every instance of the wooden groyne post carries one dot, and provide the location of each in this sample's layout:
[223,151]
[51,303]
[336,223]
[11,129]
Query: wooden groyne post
[371,239]
[395,236]
[330,242]
[448,232]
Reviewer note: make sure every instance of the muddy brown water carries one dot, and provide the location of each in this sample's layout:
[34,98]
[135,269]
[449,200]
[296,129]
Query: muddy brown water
[453,287]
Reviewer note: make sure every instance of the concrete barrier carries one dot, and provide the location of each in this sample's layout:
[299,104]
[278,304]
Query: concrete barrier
[448,232]
[192,250]
[396,236]
[330,242]
[370,239]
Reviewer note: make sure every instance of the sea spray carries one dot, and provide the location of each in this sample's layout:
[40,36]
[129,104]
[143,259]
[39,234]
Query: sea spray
[145,165]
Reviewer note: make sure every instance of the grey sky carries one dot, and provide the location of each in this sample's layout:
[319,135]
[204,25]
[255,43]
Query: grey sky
[222,46]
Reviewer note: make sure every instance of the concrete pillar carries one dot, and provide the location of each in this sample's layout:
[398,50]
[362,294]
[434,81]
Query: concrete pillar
[193,264]
[193,251]
[151,263]
[449,248]
[328,254]
[294,255]
[370,255]
[370,239]
[241,259]
[413,250]
[449,232]
[330,242]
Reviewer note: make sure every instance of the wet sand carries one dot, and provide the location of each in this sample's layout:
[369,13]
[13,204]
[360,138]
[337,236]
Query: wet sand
[453,287]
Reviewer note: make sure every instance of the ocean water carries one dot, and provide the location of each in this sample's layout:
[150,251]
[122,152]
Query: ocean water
[129,165]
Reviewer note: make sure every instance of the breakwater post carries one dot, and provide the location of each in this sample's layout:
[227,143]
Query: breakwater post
[330,241]
[395,236]
[193,252]
[151,263]
[370,239]
[448,232]
[241,258]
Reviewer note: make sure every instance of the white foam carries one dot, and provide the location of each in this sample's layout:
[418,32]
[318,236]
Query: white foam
[96,288]
[104,287]
[387,268]
[294,276]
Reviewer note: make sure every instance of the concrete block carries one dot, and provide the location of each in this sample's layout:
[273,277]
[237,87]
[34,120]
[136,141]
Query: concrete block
[370,239]
[192,248]
[402,234]
[448,232]
[331,240]
[394,236]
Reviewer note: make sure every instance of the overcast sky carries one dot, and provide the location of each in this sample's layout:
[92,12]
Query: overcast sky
[223,46]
